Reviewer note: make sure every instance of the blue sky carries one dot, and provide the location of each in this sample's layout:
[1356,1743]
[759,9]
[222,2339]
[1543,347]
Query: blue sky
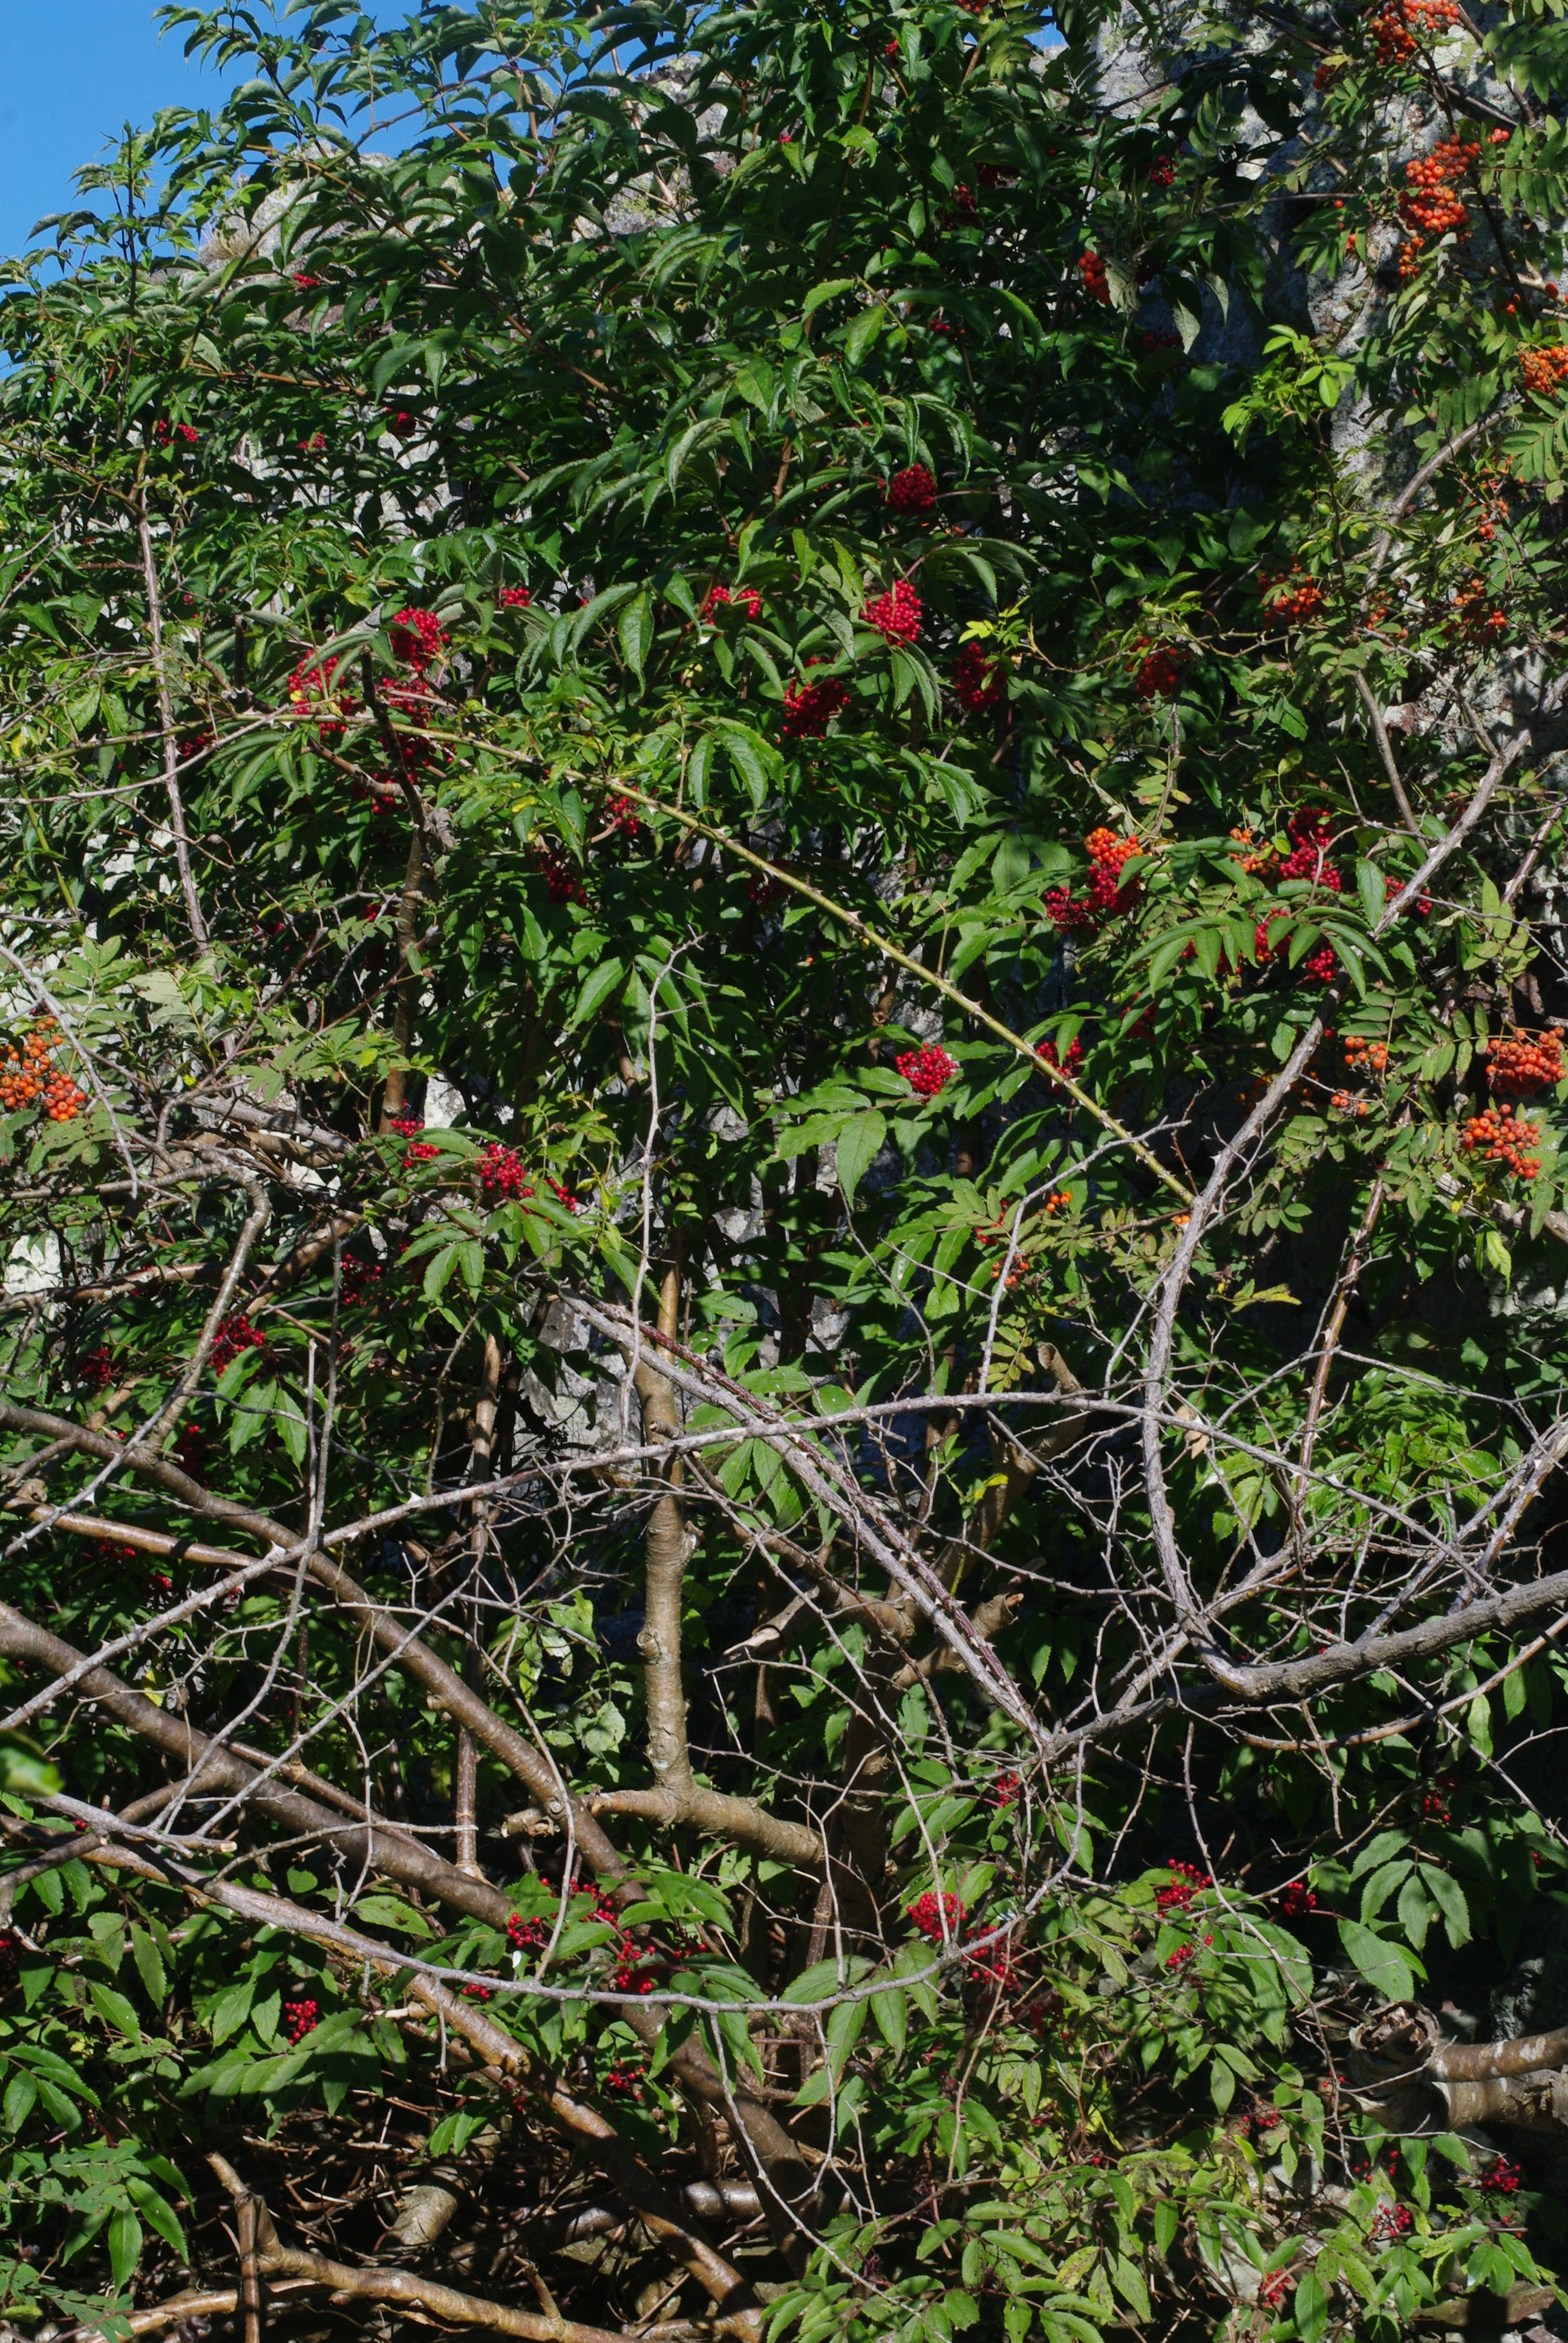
[72,72]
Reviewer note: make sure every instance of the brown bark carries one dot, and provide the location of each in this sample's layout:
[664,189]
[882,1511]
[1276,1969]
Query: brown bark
[442,2302]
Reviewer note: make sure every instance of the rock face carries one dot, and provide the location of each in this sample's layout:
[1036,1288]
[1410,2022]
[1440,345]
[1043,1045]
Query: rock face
[1533,1996]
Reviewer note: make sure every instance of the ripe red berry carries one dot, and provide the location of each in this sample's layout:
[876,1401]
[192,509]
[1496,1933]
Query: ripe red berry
[810,707]
[912,491]
[977,683]
[895,615]
[502,1173]
[928,1072]
[937,1916]
[300,2018]
[234,1335]
[742,597]
[416,636]
[1186,1881]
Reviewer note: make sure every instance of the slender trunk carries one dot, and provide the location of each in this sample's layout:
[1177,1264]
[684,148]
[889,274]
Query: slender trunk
[660,1641]
[467,1815]
[406,997]
[198,924]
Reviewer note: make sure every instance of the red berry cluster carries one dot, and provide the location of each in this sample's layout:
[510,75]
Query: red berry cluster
[314,445]
[10,1962]
[623,814]
[939,1917]
[1107,898]
[1542,370]
[977,682]
[514,598]
[912,491]
[420,1152]
[1158,674]
[502,1172]
[314,685]
[1504,1138]
[479,1992]
[1390,887]
[403,421]
[1186,1881]
[1389,2222]
[632,1972]
[1297,1900]
[1163,171]
[300,2018]
[1401,27]
[562,882]
[744,597]
[928,1072]
[360,1279]
[234,1335]
[810,707]
[1055,1064]
[1046,2016]
[1156,341]
[1006,1789]
[1185,1953]
[416,636]
[1290,595]
[1308,858]
[30,1075]
[305,284]
[625,2081]
[95,1370]
[1272,2289]
[191,1450]
[406,1126]
[1096,282]
[1320,963]
[1517,1066]
[526,1936]
[1502,2178]
[895,615]
[1434,1805]
[164,432]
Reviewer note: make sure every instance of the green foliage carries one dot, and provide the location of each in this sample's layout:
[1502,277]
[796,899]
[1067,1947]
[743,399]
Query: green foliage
[758,680]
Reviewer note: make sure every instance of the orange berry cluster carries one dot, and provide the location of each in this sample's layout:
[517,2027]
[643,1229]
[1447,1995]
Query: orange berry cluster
[1104,847]
[1516,1066]
[1504,1138]
[1096,282]
[1363,1055]
[1249,853]
[1543,369]
[27,1077]
[1059,1200]
[1471,616]
[1491,504]
[1432,206]
[1401,28]
[1347,1102]
[1291,596]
